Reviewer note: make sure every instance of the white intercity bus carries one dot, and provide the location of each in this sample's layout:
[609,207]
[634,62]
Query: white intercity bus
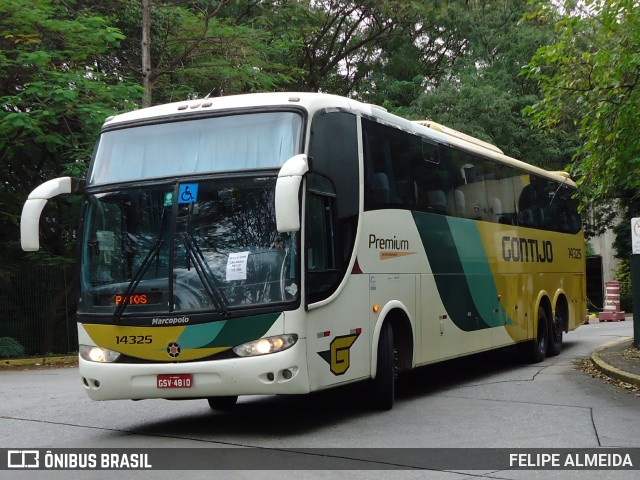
[284,243]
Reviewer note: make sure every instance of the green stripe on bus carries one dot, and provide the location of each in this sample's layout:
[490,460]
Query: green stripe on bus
[478,272]
[199,336]
[461,270]
[241,330]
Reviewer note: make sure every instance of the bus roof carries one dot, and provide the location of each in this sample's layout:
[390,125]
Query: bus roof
[313,102]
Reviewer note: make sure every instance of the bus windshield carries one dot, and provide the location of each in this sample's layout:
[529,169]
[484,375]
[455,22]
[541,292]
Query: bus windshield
[197,245]
[215,144]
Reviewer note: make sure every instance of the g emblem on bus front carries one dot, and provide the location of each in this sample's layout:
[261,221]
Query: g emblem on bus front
[339,357]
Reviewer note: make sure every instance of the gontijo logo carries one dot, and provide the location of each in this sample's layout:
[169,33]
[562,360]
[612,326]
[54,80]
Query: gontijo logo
[519,249]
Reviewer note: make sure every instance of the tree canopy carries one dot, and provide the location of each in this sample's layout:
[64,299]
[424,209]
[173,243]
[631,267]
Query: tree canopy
[590,77]
[67,65]
[54,95]
[483,93]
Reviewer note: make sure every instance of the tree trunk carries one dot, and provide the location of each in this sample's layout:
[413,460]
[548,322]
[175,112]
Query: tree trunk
[146,52]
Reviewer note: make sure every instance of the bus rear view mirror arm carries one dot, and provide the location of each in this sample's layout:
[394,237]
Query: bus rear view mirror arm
[32,209]
[288,193]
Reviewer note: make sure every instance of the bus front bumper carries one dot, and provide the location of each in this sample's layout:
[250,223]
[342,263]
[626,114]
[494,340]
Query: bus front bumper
[278,373]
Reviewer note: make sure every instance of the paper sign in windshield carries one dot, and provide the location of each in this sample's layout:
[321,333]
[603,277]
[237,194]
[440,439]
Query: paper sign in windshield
[237,266]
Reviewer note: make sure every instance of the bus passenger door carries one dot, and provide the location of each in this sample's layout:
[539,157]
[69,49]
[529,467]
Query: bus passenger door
[338,337]
[337,318]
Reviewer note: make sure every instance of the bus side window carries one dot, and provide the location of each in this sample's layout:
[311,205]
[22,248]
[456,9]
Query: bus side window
[320,237]
[569,220]
[391,157]
[323,272]
[432,178]
[500,195]
[331,202]
[534,205]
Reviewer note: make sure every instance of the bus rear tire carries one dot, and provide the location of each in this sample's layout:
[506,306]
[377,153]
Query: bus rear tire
[539,346]
[222,403]
[555,337]
[383,386]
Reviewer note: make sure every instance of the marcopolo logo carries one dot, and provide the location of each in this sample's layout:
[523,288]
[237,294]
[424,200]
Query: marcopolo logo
[170,321]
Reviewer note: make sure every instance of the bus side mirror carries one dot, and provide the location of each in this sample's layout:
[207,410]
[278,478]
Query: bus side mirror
[288,193]
[32,209]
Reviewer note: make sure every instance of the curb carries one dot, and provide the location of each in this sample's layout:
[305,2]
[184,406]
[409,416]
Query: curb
[610,370]
[62,360]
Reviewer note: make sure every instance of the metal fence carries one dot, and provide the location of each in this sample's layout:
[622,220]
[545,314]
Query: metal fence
[37,308]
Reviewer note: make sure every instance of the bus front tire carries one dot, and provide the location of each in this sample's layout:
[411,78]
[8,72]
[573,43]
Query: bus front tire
[222,403]
[383,386]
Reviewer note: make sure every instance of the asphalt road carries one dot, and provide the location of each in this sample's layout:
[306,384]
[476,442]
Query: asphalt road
[487,400]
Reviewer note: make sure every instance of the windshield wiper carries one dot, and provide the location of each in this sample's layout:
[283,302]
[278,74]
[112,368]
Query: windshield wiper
[204,273]
[133,284]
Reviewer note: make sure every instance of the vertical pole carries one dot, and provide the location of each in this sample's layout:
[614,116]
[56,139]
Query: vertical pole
[635,295]
[147,83]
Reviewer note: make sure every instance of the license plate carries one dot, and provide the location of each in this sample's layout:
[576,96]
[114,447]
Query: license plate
[180,380]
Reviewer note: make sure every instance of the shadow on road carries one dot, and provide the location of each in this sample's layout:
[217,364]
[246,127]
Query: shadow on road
[286,416]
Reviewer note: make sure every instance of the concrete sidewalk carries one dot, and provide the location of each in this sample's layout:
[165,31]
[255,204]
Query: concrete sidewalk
[619,360]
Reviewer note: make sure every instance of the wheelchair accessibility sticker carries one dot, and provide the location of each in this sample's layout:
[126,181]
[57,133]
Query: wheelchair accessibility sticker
[188,193]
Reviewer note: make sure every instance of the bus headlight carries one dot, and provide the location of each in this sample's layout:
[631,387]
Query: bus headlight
[266,345]
[98,354]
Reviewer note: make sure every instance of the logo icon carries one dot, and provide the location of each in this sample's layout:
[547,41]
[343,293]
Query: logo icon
[339,357]
[188,193]
[23,459]
[173,349]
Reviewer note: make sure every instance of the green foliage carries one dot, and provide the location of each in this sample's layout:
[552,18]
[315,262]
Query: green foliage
[197,48]
[54,95]
[10,348]
[357,47]
[66,65]
[589,76]
[483,93]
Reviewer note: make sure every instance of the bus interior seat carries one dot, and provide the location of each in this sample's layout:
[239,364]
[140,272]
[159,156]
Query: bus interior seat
[459,200]
[380,188]
[495,209]
[437,200]
[499,216]
[526,218]
[407,192]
